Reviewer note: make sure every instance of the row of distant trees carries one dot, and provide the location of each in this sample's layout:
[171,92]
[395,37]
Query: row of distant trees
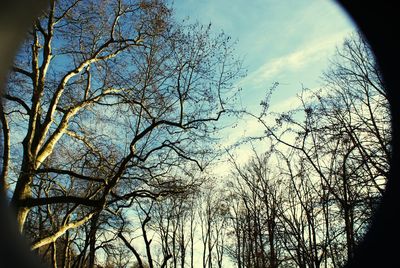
[308,198]
[108,130]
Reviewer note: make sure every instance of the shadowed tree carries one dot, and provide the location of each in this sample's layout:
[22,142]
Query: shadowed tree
[257,188]
[341,135]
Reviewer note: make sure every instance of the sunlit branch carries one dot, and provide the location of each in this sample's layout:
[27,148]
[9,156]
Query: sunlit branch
[61,231]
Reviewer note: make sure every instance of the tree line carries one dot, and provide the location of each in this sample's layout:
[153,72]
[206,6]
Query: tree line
[308,198]
[108,129]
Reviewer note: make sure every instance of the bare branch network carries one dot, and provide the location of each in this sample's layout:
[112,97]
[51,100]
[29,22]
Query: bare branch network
[109,124]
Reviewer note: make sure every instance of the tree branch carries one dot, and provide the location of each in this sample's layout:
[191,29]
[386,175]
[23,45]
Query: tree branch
[128,245]
[70,173]
[52,238]
[22,71]
[18,100]
[32,202]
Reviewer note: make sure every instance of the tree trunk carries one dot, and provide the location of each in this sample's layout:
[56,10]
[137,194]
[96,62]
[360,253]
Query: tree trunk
[22,191]
[191,241]
[182,246]
[92,240]
[64,260]
[6,151]
[349,231]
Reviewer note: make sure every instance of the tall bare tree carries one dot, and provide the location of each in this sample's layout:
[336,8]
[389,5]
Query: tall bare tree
[104,100]
[256,218]
[341,135]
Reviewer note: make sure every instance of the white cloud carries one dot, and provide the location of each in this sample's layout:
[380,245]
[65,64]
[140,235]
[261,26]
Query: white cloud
[313,51]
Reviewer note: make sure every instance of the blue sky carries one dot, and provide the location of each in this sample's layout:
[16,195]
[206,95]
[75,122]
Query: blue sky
[287,41]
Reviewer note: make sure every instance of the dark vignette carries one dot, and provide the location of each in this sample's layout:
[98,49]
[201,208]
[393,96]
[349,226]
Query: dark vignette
[377,21]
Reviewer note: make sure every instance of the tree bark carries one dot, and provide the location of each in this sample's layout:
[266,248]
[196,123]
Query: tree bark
[6,150]
[22,191]
[92,240]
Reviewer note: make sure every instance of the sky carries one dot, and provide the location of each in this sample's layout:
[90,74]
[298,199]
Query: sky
[284,41]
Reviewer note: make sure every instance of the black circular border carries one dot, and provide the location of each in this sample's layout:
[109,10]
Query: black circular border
[378,20]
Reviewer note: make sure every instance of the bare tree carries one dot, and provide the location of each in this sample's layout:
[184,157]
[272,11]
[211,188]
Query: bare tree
[213,209]
[105,99]
[257,227]
[341,135]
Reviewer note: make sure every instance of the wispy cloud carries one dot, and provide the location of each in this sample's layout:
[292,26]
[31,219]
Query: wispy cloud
[284,41]
[308,54]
